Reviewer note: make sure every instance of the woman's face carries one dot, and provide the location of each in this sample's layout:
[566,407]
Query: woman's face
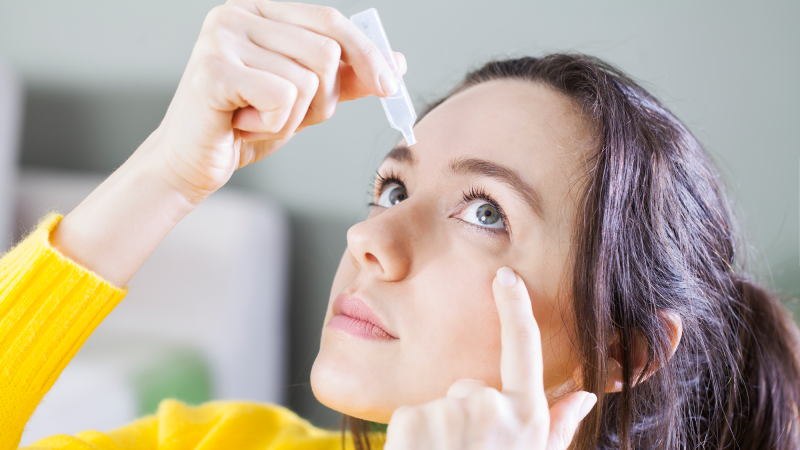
[491,183]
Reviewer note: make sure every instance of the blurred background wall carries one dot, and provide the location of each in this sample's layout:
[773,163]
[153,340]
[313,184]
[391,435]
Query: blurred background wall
[99,76]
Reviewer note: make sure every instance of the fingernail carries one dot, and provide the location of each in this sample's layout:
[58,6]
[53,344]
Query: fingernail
[400,60]
[271,120]
[506,277]
[388,83]
[587,405]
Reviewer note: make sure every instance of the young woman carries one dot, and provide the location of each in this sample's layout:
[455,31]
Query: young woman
[552,188]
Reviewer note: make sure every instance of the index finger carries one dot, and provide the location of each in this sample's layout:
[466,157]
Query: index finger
[357,50]
[521,364]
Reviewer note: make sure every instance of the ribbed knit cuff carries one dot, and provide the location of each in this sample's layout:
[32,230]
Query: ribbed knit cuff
[49,305]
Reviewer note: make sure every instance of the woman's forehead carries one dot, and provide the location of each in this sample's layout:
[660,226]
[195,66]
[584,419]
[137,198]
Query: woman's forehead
[520,124]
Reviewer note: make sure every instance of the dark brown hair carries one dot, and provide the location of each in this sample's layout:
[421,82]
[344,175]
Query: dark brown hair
[656,234]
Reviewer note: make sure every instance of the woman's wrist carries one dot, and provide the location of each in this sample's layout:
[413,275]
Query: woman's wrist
[116,228]
[193,177]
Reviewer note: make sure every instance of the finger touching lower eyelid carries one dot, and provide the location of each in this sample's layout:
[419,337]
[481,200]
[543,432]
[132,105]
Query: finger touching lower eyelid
[521,357]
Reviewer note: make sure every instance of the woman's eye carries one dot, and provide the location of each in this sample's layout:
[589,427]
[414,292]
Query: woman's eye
[483,214]
[392,195]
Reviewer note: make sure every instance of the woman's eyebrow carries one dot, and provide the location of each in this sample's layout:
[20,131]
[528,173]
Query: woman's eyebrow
[401,153]
[508,176]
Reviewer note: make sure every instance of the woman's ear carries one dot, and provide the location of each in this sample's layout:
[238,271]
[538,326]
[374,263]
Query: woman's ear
[673,326]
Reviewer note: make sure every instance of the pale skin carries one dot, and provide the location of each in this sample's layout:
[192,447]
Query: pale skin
[482,358]
[427,270]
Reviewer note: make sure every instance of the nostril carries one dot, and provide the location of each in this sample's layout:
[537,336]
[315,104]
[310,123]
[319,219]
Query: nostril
[374,259]
[371,258]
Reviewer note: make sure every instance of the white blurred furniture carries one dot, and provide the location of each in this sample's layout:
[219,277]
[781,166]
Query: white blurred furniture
[10,129]
[209,304]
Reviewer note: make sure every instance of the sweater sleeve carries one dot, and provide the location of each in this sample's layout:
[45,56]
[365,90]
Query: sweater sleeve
[49,306]
[210,426]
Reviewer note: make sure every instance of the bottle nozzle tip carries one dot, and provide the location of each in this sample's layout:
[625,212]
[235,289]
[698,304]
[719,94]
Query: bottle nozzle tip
[409,136]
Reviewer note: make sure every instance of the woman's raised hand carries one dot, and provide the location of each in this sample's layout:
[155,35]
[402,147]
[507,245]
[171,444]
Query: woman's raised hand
[259,72]
[476,416]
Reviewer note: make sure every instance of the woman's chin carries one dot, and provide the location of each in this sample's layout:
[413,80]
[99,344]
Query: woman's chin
[343,388]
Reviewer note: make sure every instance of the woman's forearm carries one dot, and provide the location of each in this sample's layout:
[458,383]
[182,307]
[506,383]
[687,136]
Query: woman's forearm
[116,228]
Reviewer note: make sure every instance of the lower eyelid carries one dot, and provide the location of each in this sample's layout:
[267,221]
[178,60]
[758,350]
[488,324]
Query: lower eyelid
[503,230]
[493,232]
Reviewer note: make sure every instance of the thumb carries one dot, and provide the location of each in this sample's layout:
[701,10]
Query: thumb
[565,416]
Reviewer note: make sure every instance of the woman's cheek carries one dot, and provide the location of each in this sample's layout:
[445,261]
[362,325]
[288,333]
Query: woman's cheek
[547,276]
[461,338]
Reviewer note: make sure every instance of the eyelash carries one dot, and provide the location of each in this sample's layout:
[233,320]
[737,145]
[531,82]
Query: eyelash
[381,181]
[475,193]
[480,194]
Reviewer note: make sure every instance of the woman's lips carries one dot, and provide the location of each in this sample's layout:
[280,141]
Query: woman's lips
[355,318]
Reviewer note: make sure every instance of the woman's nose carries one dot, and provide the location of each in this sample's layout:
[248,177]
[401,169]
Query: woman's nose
[381,245]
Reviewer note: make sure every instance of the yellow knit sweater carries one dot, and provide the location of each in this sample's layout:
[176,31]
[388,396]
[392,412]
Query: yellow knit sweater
[49,305]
